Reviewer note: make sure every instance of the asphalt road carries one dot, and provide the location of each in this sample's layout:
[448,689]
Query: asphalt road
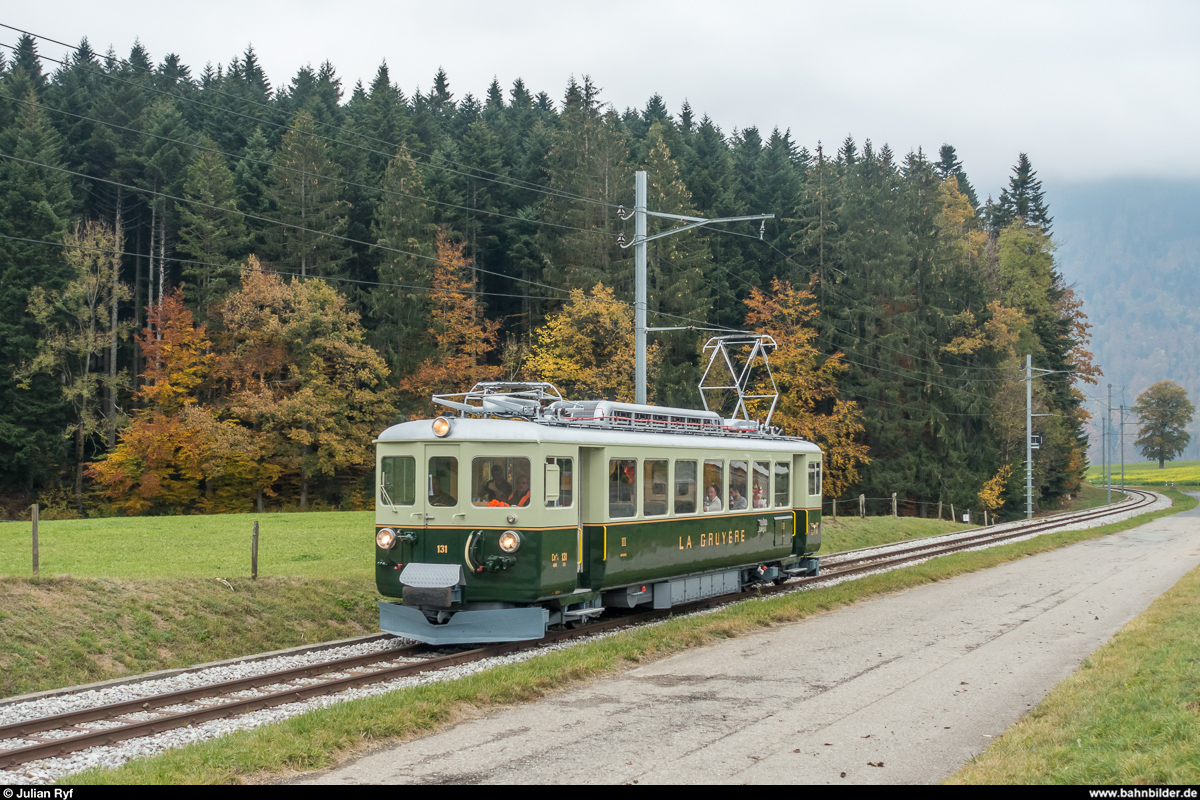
[900,689]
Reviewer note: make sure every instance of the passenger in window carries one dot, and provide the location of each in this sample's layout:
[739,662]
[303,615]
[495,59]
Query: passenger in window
[712,499]
[520,496]
[736,501]
[759,500]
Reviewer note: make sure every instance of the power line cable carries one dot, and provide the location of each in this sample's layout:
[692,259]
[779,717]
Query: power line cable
[247,159]
[279,223]
[242,268]
[698,325]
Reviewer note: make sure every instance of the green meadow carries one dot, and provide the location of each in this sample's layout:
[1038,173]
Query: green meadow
[319,544]
[1147,473]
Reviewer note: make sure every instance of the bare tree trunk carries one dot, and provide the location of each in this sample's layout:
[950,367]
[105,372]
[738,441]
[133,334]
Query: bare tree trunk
[304,478]
[110,405]
[137,304]
[303,214]
[150,271]
[162,255]
[79,466]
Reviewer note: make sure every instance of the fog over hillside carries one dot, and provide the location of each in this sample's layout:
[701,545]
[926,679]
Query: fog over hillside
[1132,247]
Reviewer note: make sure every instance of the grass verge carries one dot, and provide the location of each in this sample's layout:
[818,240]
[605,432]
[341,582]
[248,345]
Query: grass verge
[322,738]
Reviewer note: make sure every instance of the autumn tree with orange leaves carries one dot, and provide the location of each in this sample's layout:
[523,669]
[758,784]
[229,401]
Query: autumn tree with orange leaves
[463,337]
[177,454]
[807,381]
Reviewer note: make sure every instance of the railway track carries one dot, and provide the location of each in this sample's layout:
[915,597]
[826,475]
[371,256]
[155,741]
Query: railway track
[56,735]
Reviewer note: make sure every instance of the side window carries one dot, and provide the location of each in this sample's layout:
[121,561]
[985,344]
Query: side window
[622,487]
[398,480]
[654,488]
[685,487]
[443,481]
[783,477]
[714,485]
[566,478]
[814,478]
[737,486]
[762,484]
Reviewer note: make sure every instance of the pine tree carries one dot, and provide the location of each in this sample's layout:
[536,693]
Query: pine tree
[208,235]
[1023,200]
[588,159]
[947,165]
[35,204]
[305,197]
[400,307]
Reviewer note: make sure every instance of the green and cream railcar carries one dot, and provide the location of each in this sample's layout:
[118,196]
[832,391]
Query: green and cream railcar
[494,529]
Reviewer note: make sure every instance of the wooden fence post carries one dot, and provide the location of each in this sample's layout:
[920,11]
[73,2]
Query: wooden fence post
[939,510]
[254,553]
[35,539]
[985,522]
[893,504]
[862,506]
[835,508]
[953,516]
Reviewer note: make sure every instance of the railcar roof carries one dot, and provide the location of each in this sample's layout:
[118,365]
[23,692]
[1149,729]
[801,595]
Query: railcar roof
[471,429]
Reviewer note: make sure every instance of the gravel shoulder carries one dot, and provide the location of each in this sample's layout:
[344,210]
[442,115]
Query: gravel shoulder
[902,689]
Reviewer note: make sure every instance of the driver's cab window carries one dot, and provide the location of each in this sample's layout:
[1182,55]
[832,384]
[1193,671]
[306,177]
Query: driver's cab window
[499,481]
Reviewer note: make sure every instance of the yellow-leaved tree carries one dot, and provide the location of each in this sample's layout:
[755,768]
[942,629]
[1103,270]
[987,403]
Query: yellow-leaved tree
[992,493]
[587,348]
[807,381]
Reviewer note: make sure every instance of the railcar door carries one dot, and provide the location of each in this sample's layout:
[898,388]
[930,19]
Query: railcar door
[444,502]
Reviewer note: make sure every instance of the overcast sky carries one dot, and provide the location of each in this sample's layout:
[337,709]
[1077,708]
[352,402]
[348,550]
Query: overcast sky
[1089,90]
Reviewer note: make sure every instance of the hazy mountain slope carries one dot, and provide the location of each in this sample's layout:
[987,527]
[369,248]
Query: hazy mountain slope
[1133,250]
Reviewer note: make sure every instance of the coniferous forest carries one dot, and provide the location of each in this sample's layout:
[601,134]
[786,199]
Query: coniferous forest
[215,292]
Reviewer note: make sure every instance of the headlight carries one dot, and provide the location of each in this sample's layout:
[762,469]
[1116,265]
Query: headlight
[385,538]
[441,427]
[510,541]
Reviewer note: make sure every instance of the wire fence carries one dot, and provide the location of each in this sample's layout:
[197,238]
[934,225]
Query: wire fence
[894,506]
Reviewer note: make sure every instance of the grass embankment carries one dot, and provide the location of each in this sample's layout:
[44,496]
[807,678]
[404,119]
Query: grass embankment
[321,738]
[1130,715]
[849,533]
[1090,496]
[123,596]
[65,631]
[1147,473]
